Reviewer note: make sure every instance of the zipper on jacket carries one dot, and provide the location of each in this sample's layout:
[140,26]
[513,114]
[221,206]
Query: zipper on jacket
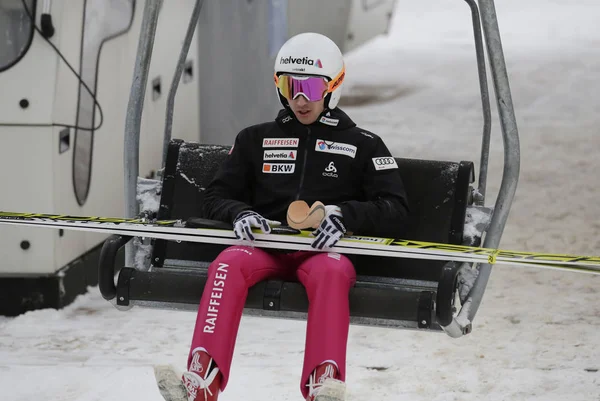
[303,164]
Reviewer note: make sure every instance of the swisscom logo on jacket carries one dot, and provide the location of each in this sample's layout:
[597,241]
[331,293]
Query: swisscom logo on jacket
[272,164]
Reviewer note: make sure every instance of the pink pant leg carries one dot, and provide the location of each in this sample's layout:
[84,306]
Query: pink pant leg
[327,278]
[230,275]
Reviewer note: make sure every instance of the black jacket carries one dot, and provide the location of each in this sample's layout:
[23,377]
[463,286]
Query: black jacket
[331,160]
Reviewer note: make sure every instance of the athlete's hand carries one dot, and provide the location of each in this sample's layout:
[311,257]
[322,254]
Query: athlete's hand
[243,223]
[331,229]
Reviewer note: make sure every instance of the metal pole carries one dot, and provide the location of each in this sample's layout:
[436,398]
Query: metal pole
[177,77]
[510,136]
[133,121]
[485,103]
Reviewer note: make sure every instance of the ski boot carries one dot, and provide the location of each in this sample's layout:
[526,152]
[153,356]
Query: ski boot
[323,384]
[203,379]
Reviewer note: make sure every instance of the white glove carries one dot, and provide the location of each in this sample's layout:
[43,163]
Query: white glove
[243,223]
[332,228]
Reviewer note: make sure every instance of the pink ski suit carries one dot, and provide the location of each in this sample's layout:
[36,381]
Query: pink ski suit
[327,278]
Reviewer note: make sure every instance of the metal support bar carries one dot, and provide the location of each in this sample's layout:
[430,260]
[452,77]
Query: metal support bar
[133,122]
[510,136]
[177,77]
[107,267]
[485,103]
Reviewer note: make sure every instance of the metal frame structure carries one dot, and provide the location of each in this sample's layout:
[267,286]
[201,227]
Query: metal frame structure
[483,16]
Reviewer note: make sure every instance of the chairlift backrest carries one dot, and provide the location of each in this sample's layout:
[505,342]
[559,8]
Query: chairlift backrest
[438,193]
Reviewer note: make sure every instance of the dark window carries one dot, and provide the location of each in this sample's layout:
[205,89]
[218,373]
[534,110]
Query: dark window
[16,31]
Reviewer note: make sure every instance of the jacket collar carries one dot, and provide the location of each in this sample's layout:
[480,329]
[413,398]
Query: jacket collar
[335,120]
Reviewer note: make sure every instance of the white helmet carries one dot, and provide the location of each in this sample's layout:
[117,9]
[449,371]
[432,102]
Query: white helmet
[313,54]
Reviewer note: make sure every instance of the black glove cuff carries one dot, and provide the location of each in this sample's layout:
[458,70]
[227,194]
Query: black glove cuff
[244,214]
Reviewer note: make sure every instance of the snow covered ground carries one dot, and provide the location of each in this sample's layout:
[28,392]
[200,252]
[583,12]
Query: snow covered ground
[536,334]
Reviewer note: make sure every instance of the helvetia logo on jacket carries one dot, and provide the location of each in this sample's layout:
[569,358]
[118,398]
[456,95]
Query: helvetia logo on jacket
[280,154]
[279,168]
[280,142]
[336,148]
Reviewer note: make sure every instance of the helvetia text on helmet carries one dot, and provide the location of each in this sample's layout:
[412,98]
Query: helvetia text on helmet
[292,60]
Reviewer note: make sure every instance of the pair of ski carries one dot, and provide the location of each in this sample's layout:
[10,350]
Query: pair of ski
[169,383]
[207,231]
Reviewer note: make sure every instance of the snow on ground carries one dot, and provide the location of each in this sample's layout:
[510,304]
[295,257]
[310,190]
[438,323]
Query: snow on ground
[535,337]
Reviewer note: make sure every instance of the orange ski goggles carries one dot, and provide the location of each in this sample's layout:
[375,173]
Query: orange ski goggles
[313,88]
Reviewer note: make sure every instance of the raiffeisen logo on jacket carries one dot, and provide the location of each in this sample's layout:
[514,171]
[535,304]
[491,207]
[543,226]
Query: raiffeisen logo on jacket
[280,142]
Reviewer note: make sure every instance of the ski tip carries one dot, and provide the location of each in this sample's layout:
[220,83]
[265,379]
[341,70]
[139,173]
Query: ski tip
[332,390]
[168,380]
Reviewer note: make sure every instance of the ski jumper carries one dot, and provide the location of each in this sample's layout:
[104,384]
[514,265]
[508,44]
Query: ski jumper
[269,166]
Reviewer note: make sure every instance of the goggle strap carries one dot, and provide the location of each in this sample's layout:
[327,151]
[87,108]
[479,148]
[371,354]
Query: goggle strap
[337,81]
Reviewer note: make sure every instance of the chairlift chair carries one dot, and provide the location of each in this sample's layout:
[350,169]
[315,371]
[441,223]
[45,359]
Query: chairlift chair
[390,292]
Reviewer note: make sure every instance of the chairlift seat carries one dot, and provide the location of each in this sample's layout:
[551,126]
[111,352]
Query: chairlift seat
[390,292]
